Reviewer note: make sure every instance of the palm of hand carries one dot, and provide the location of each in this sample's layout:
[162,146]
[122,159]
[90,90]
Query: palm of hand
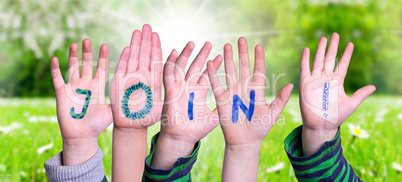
[176,120]
[98,114]
[136,102]
[97,117]
[323,101]
[245,130]
[253,129]
[138,76]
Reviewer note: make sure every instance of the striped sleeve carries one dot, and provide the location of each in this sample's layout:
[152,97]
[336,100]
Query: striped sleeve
[180,171]
[327,164]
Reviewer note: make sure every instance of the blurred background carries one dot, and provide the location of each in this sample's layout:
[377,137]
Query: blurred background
[31,32]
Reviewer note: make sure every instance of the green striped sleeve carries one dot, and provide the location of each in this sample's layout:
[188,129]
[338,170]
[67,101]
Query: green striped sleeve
[327,164]
[180,172]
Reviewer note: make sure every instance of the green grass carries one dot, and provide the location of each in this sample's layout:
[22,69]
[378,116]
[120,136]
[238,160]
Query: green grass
[371,158]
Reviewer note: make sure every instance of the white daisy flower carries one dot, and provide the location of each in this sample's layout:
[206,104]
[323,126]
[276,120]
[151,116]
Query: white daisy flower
[7,129]
[25,132]
[356,131]
[45,148]
[33,119]
[397,166]
[399,116]
[379,116]
[25,114]
[40,170]
[43,119]
[53,119]
[276,167]
[2,167]
[22,173]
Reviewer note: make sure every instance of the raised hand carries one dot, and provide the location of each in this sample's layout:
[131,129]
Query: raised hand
[323,103]
[186,119]
[135,92]
[244,114]
[82,111]
[135,96]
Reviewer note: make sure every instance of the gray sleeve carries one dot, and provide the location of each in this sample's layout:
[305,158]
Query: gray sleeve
[92,170]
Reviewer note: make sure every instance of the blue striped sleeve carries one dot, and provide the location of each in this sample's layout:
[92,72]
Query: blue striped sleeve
[180,171]
[327,164]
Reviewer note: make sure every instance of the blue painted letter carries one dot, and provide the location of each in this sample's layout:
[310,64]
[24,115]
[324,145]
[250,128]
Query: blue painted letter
[237,102]
[85,108]
[325,99]
[143,112]
[190,106]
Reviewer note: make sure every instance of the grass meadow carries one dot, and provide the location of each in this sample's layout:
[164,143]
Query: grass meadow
[373,158]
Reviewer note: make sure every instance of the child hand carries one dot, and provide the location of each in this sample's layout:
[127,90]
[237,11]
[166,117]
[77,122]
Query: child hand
[135,96]
[238,128]
[82,111]
[186,119]
[323,102]
[244,132]
[135,91]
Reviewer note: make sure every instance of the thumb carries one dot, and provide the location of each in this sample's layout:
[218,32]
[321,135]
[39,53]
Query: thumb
[108,118]
[282,98]
[361,94]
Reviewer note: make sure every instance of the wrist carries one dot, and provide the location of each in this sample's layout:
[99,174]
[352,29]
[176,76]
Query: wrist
[129,131]
[241,162]
[314,138]
[179,144]
[78,151]
[129,150]
[243,150]
[170,148]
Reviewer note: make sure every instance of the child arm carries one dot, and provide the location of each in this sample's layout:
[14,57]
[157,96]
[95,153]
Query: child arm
[244,128]
[82,114]
[135,96]
[324,107]
[185,117]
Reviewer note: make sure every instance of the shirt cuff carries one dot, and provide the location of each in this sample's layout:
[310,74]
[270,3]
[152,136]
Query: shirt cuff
[92,170]
[319,165]
[180,170]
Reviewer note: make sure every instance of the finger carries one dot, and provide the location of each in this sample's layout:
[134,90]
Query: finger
[330,57]
[135,51]
[145,50]
[230,69]
[86,69]
[56,74]
[361,94]
[198,63]
[259,66]
[108,118]
[243,59]
[343,64]
[103,65]
[182,61]
[123,61]
[156,63]
[281,99]
[73,63]
[305,64]
[319,55]
[168,70]
[213,78]
[204,80]
[204,77]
